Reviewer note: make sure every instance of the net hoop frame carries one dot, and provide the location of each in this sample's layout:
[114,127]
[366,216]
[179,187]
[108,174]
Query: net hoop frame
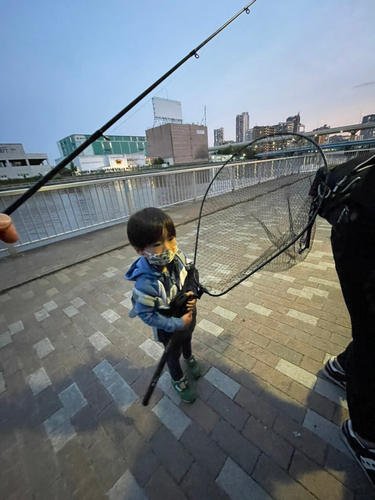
[315,204]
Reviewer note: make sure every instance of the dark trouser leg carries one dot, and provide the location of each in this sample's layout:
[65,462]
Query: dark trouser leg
[355,265]
[173,359]
[186,335]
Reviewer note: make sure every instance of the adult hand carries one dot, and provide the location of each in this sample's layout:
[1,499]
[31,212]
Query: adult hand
[8,233]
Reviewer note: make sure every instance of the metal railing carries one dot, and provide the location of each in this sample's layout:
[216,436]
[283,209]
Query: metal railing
[61,211]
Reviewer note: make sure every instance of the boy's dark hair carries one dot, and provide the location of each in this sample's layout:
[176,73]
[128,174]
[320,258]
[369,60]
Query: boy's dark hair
[147,226]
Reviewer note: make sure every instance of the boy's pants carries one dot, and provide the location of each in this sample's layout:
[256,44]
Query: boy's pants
[354,252]
[181,343]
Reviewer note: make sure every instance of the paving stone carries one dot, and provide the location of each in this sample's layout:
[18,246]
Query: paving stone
[38,381]
[257,406]
[128,371]
[2,383]
[78,302]
[5,339]
[172,417]
[301,438]
[170,451]
[210,327]
[106,373]
[229,410]
[50,306]
[332,392]
[298,374]
[200,485]
[222,382]
[99,341]
[11,366]
[122,393]
[306,318]
[145,421]
[43,348]
[71,311]
[116,425]
[16,327]
[321,484]
[326,430]
[236,446]
[139,457]
[152,348]
[107,461]
[110,315]
[238,484]
[98,397]
[72,399]
[269,442]
[225,313]
[277,482]
[52,291]
[162,487]
[264,311]
[59,429]
[41,315]
[126,487]
[203,449]
[127,303]
[202,414]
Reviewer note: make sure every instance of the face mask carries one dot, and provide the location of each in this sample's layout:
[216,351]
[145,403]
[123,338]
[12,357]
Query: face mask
[161,259]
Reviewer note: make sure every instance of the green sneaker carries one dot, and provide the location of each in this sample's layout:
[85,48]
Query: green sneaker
[186,392]
[193,367]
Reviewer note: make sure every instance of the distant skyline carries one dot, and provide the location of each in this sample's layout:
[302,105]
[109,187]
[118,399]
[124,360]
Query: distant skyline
[67,67]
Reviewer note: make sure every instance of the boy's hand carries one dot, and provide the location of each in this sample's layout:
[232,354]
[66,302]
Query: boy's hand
[192,302]
[188,318]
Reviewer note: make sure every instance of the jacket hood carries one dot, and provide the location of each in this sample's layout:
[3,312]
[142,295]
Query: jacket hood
[141,267]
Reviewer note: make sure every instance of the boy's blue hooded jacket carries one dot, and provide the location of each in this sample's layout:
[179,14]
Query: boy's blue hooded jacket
[153,290]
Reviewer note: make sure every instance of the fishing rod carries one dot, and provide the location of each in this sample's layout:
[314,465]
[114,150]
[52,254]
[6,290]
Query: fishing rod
[100,132]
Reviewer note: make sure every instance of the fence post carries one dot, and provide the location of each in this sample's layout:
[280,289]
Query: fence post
[12,250]
[195,186]
[128,197]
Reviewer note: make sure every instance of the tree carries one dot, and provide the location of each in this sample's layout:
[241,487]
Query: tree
[158,161]
[73,168]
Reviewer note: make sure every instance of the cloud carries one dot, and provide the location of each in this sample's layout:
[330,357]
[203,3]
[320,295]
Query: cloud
[366,84]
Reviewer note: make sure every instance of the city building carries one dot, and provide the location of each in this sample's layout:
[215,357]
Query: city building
[369,133]
[178,143]
[321,139]
[242,126]
[284,127]
[218,136]
[116,154]
[16,164]
[109,163]
[249,135]
[263,131]
[335,139]
[296,121]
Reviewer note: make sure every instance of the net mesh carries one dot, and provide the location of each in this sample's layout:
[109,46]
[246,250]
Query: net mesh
[253,210]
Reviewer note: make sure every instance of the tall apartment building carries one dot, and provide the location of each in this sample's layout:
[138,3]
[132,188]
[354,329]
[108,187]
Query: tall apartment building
[242,126]
[296,121]
[218,136]
[370,132]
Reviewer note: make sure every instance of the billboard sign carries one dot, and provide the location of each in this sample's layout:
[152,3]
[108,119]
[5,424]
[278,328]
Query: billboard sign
[166,109]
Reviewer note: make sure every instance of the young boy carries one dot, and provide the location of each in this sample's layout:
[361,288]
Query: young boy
[159,274]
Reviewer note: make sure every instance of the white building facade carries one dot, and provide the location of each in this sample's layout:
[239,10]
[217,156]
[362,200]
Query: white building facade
[16,164]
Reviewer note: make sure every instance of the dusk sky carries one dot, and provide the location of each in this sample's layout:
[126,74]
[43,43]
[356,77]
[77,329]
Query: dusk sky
[68,67]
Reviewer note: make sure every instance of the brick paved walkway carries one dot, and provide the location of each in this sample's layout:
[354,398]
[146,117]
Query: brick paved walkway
[265,426]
